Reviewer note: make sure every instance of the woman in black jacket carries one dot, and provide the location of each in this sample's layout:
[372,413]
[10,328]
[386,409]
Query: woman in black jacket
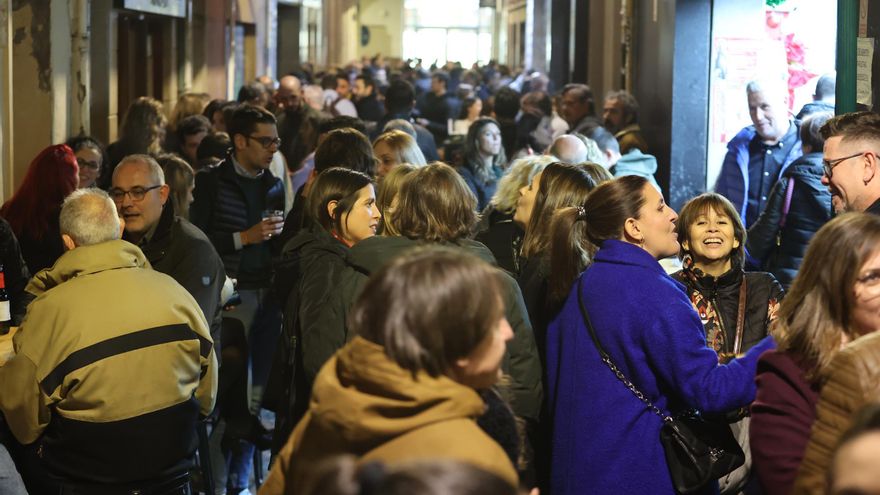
[736,307]
[799,205]
[342,208]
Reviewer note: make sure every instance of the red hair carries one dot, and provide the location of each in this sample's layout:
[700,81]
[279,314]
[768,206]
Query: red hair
[49,179]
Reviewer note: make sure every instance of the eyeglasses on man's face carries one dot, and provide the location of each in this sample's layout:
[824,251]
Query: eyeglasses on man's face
[829,165]
[265,141]
[136,193]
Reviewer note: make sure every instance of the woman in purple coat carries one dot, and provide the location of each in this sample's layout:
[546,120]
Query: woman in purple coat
[605,440]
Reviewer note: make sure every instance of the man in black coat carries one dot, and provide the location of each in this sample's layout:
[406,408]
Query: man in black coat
[239,205]
[171,244]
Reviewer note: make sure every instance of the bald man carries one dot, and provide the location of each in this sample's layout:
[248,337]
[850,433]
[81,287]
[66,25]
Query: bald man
[568,149]
[297,122]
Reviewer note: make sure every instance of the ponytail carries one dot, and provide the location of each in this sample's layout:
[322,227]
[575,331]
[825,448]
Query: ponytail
[570,252]
[577,233]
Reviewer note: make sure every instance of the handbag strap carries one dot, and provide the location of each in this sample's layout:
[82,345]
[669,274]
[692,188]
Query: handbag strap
[740,317]
[787,205]
[607,359]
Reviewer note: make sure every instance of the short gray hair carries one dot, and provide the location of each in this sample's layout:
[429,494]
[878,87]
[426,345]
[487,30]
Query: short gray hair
[156,173]
[89,217]
[771,88]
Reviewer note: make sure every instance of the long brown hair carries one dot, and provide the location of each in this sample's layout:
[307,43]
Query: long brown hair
[816,313]
[576,232]
[562,185]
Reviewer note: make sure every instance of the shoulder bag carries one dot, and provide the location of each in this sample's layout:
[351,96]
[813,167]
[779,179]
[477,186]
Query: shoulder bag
[697,451]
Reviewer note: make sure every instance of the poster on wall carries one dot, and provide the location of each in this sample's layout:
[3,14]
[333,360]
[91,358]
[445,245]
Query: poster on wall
[864,66]
[738,61]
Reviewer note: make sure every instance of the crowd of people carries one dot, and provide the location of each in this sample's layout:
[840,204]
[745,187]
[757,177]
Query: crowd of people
[440,281]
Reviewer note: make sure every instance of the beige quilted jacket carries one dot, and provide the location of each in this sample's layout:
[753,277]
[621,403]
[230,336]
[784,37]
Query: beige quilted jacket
[854,382]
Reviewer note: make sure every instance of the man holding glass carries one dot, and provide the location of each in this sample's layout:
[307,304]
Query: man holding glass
[238,205]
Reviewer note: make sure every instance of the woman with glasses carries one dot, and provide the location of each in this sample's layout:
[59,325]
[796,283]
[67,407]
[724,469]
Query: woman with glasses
[34,208]
[799,205]
[835,299]
[91,158]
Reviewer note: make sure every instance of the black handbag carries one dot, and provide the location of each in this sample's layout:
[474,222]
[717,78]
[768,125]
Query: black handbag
[698,451]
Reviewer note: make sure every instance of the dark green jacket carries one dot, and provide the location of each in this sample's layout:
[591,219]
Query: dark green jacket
[306,279]
[521,362]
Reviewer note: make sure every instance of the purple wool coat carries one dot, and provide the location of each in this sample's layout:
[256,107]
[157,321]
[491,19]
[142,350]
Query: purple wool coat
[605,440]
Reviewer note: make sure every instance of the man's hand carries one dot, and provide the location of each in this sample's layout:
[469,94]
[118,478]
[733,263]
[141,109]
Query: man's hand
[263,231]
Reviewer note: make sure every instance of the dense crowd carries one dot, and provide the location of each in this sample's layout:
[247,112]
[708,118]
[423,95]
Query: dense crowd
[441,281]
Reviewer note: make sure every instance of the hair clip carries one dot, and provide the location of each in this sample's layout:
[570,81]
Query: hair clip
[582,213]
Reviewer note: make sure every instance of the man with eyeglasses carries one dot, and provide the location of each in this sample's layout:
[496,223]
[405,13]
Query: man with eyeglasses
[171,244]
[852,162]
[239,205]
[759,154]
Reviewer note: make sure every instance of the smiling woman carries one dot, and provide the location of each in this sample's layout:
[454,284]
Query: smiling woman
[647,326]
[736,307]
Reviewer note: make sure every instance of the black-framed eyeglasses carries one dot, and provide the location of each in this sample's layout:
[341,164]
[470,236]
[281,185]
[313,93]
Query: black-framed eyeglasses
[830,164]
[265,141]
[82,163]
[136,193]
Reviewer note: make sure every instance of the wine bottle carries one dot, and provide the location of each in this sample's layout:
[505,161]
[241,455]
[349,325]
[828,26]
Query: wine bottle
[5,312]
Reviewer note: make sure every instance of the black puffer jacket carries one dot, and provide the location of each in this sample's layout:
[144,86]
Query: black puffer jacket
[717,302]
[220,209]
[810,208]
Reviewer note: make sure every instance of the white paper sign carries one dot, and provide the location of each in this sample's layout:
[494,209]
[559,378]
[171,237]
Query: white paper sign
[864,59]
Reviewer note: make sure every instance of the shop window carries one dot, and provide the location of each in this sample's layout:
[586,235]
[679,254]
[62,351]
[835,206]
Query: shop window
[789,41]
[451,30]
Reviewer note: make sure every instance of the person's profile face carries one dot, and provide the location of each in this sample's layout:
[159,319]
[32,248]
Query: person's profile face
[612,115]
[363,219]
[526,202]
[846,182]
[656,224]
[481,369]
